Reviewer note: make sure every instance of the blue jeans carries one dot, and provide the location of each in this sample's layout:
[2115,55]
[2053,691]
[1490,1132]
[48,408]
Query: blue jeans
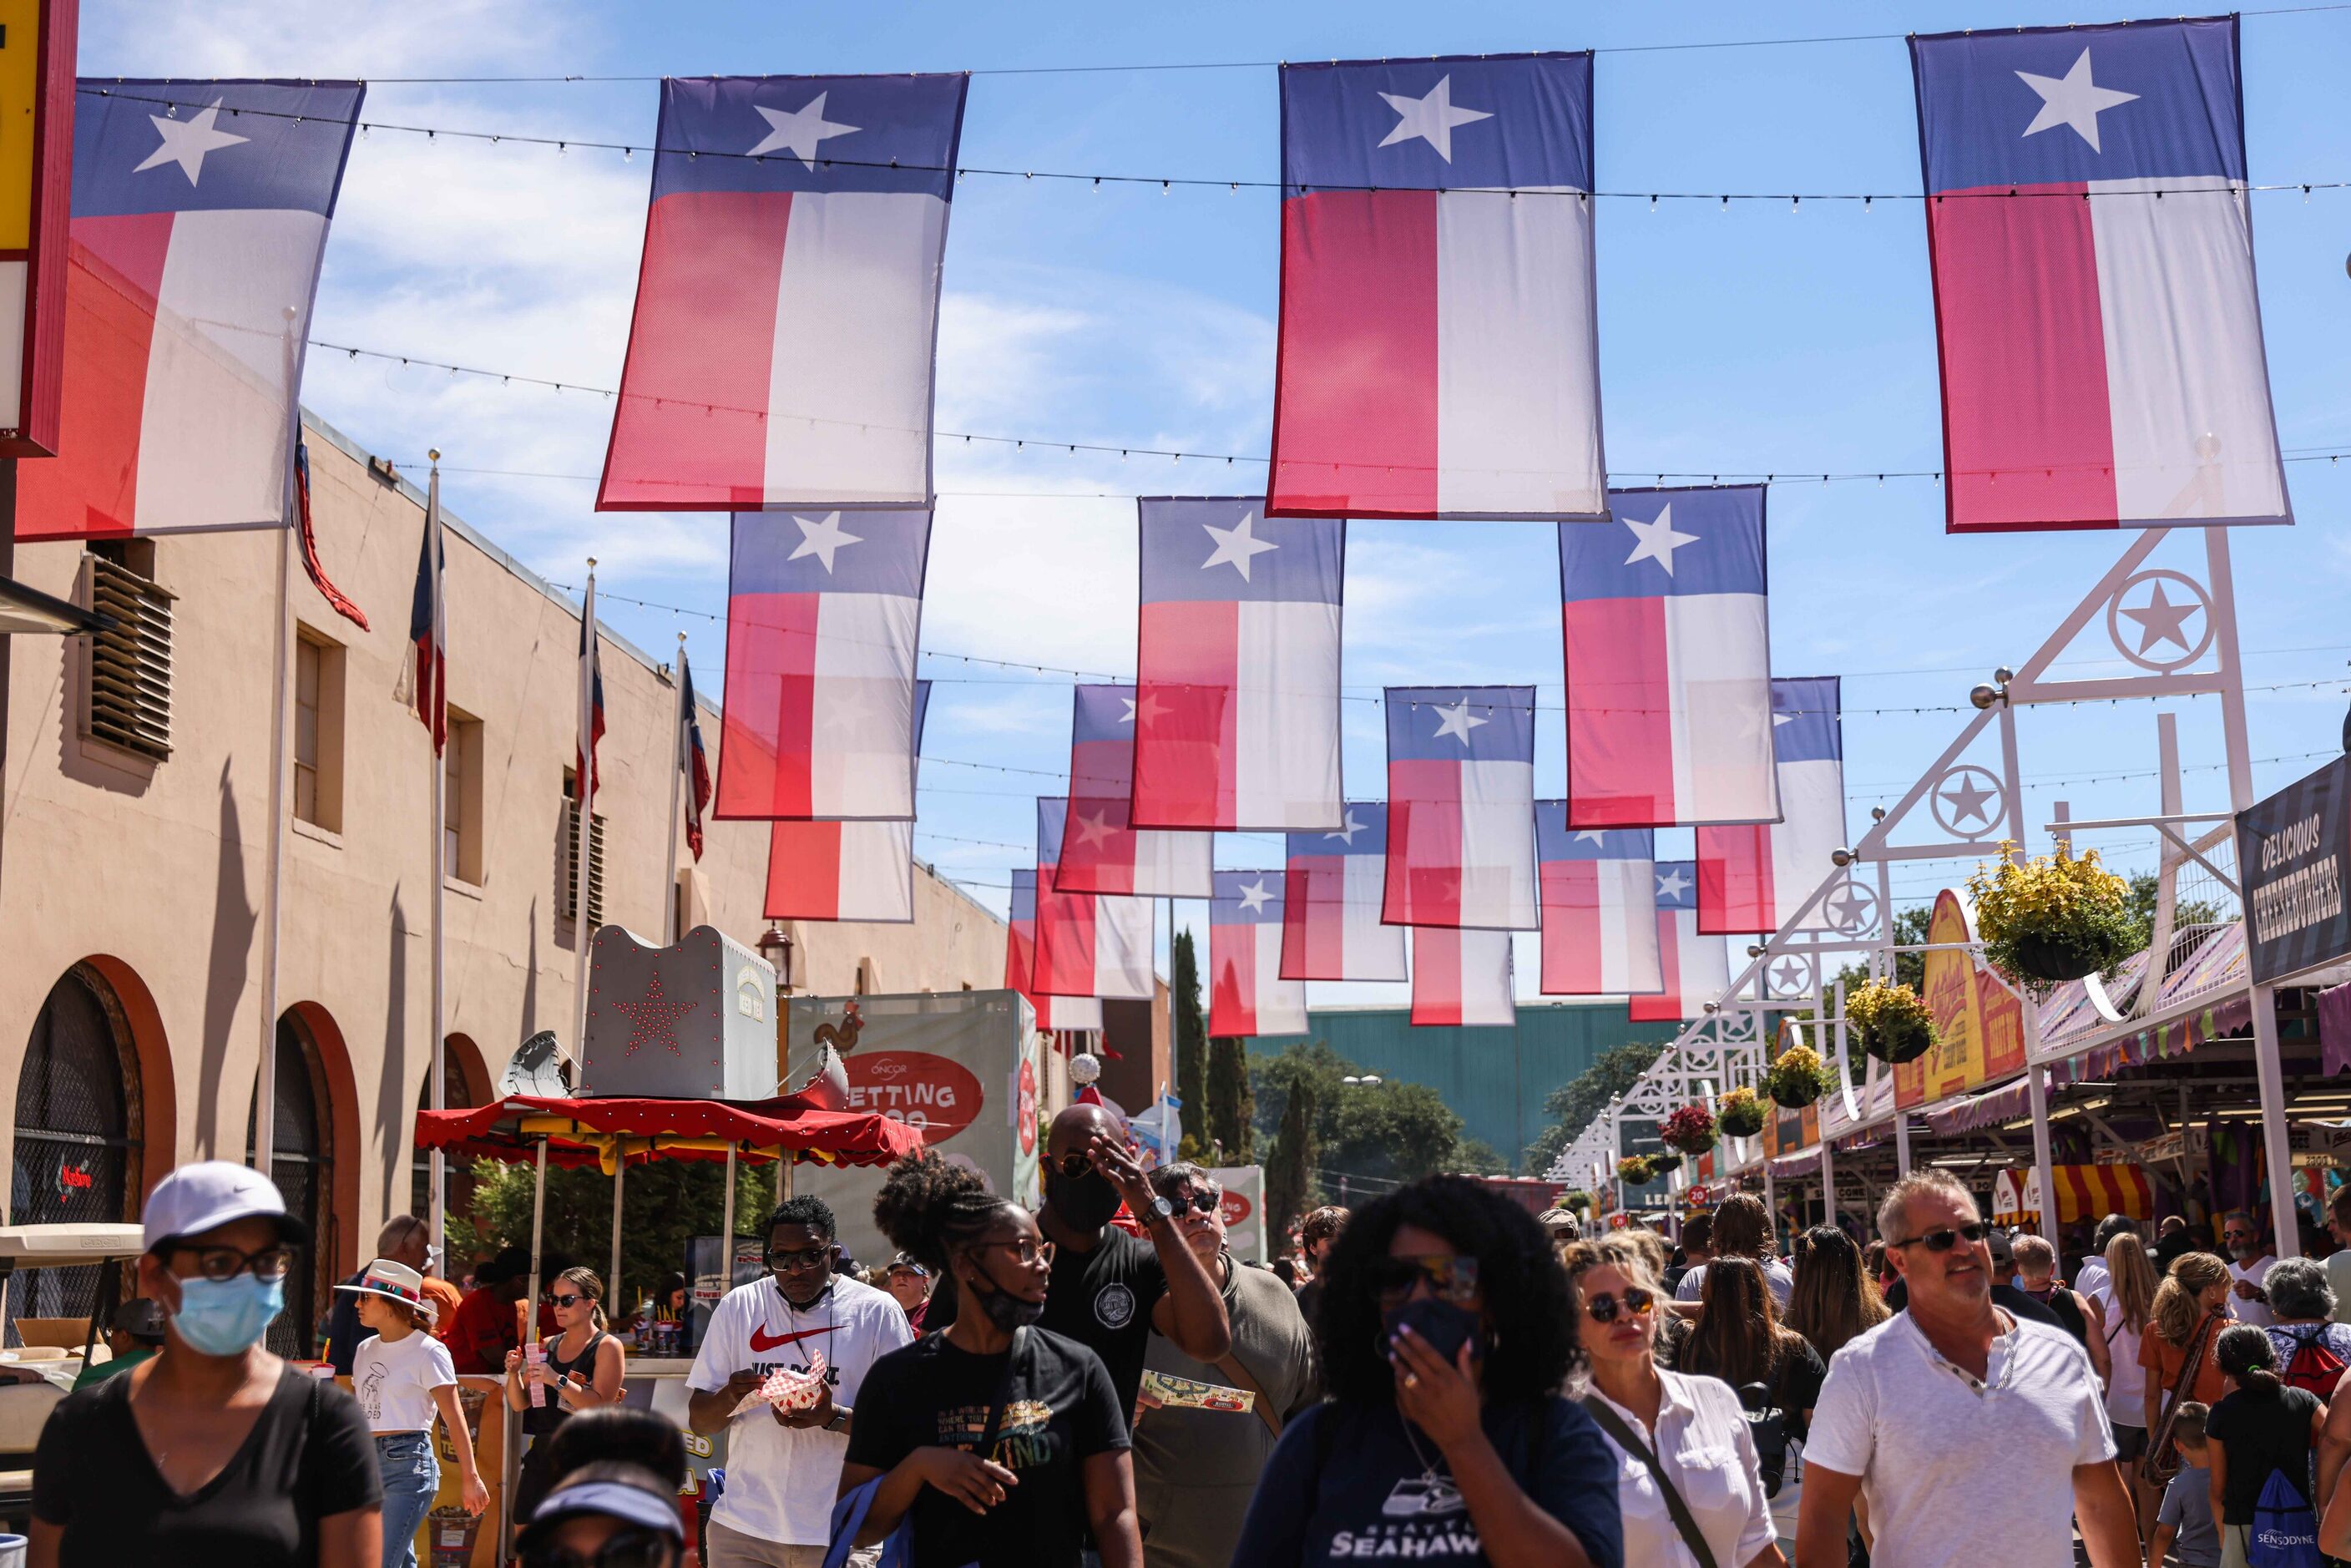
[411,1478]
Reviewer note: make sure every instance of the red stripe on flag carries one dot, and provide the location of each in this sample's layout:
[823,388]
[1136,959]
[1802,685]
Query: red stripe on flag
[114,270]
[1065,939]
[1354,414]
[1425,847]
[1436,977]
[767,720]
[1735,896]
[2028,432]
[1314,919]
[803,871]
[1571,928]
[1620,732]
[1232,993]
[1667,1006]
[1186,667]
[691,430]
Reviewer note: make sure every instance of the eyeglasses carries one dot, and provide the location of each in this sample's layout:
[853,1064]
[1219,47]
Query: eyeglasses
[806,1257]
[1026,1251]
[566,1301]
[1076,1163]
[1943,1240]
[624,1549]
[1604,1308]
[1202,1201]
[1450,1276]
[228,1262]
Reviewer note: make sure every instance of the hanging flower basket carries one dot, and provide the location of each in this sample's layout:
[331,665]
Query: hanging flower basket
[2053,918]
[1689,1129]
[1740,1113]
[1634,1170]
[1797,1079]
[1893,1021]
[1575,1200]
[1664,1162]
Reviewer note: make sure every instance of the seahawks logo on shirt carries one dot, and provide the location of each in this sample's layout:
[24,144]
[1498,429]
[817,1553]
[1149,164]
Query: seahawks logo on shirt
[1114,1308]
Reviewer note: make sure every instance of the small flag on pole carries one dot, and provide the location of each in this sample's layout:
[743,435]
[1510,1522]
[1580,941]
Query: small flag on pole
[1020,966]
[1461,977]
[1753,877]
[1696,968]
[1599,907]
[1099,852]
[1247,995]
[1334,887]
[696,761]
[845,871]
[592,691]
[428,638]
[1461,807]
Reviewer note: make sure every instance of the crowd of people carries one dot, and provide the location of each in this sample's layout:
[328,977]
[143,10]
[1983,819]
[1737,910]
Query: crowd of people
[1439,1376]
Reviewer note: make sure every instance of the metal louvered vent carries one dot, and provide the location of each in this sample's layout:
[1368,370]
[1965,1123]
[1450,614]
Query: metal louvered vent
[131,665]
[567,898]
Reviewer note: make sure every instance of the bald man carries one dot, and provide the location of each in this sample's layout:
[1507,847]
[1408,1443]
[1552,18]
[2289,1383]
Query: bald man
[1109,1291]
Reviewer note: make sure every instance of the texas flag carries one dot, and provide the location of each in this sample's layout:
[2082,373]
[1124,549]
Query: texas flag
[1247,994]
[1668,661]
[1088,944]
[1334,887]
[2092,254]
[1020,966]
[1696,968]
[1099,852]
[1599,907]
[1437,352]
[1461,977]
[428,638]
[696,761]
[1754,877]
[823,613]
[199,213]
[782,351]
[1238,667]
[845,871]
[1461,808]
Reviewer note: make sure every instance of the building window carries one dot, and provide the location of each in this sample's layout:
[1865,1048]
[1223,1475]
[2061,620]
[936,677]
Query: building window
[460,800]
[566,897]
[77,1119]
[865,978]
[318,730]
[129,693]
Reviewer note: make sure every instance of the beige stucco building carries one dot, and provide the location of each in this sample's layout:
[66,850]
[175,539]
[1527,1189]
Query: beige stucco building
[133,886]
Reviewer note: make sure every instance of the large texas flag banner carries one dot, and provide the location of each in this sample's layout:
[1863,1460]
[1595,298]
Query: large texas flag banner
[2093,255]
[1668,661]
[845,871]
[1099,852]
[1437,352]
[822,615]
[1461,977]
[1753,877]
[192,259]
[1238,664]
[1334,884]
[787,316]
[1088,945]
[1247,994]
[1696,968]
[1021,965]
[1461,808]
[1599,907]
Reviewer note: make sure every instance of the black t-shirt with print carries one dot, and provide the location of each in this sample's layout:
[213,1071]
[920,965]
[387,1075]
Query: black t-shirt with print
[1102,1299]
[309,1457]
[1060,1412]
[2262,1433]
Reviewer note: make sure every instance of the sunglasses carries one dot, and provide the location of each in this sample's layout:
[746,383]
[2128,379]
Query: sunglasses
[1604,1308]
[1450,1278]
[806,1257]
[1200,1202]
[228,1262]
[1943,1240]
[566,1301]
[627,1548]
[1076,1163]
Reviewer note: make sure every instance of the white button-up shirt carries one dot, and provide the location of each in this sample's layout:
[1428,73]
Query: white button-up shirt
[1702,1443]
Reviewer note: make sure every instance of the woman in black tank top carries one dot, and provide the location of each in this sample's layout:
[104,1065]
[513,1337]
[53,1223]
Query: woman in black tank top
[583,1369]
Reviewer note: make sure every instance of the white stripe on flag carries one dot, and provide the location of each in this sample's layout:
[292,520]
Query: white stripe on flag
[1123,936]
[1369,950]
[1280,1004]
[1286,734]
[1811,795]
[862,709]
[1718,654]
[1498,847]
[1629,960]
[877,870]
[1169,864]
[1486,997]
[1705,965]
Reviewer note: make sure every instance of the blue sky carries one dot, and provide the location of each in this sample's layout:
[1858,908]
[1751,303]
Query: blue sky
[1753,339]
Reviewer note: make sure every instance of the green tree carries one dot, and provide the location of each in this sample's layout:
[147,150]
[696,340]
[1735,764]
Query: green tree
[1374,1136]
[1230,1106]
[1572,1106]
[1290,1189]
[1191,1046]
[2187,912]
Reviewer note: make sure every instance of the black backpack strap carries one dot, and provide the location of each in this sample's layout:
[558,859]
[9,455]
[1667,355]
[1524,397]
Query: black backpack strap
[1626,1439]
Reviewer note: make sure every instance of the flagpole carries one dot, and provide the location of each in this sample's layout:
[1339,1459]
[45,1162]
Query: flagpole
[583,790]
[677,766]
[434,735]
[264,1086]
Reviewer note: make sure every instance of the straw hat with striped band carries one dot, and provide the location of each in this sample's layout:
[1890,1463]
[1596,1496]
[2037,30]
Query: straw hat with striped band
[396,1280]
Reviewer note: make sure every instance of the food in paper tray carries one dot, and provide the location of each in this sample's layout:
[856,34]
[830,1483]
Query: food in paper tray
[791,1391]
[1183,1394]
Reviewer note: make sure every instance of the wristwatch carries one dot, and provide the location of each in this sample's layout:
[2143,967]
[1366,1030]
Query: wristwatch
[1157,1209]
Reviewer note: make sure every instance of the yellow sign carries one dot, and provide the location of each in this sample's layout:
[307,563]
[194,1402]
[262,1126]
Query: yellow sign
[1978,1022]
[20,100]
[36,104]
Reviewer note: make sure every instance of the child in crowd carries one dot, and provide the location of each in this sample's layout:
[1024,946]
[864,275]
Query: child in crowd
[2184,1524]
[402,1373]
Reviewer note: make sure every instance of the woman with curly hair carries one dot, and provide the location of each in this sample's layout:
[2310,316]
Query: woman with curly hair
[1003,1443]
[1446,1335]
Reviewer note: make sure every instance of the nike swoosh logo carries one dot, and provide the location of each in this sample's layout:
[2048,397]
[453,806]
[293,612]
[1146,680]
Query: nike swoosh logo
[762,1343]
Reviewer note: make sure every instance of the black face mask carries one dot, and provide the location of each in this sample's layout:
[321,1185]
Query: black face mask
[999,1306]
[1086,1202]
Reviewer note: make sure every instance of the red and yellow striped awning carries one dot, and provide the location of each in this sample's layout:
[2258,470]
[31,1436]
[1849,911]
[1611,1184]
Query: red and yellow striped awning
[2083,1193]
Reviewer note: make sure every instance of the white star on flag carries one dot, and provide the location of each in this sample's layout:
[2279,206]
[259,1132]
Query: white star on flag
[1591,836]
[1656,541]
[1236,545]
[1347,831]
[1128,716]
[185,141]
[1779,718]
[2072,99]
[1673,884]
[1093,827]
[799,132]
[1255,896]
[1457,721]
[1431,119]
[822,540]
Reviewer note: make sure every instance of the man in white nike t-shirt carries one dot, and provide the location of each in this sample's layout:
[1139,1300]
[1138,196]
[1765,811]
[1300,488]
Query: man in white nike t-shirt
[783,1470]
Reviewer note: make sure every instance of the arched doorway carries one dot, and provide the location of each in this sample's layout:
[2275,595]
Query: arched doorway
[302,1164]
[77,1131]
[464,1083]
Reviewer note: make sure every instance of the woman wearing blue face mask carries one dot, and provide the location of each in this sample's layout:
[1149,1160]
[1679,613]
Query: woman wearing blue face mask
[213,1451]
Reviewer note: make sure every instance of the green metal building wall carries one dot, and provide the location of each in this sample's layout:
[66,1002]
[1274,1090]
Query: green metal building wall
[1495,1079]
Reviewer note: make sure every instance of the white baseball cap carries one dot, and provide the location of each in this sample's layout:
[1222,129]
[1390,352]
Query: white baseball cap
[195,1198]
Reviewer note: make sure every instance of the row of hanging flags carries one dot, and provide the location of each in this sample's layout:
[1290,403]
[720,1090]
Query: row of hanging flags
[2101,366]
